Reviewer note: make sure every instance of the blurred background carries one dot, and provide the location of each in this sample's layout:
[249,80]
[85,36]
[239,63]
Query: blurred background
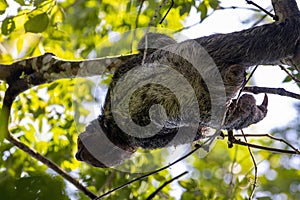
[49,117]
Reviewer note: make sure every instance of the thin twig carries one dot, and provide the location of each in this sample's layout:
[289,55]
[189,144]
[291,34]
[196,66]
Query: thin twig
[172,4]
[50,164]
[138,14]
[261,19]
[149,174]
[269,136]
[258,21]
[136,23]
[248,79]
[264,10]
[236,7]
[108,181]
[279,91]
[164,185]
[219,8]
[187,27]
[240,92]
[10,94]
[239,142]
[250,170]
[231,171]
[149,26]
[255,167]
[156,12]
[289,73]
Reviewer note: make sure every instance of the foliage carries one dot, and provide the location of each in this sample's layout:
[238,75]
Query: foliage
[47,117]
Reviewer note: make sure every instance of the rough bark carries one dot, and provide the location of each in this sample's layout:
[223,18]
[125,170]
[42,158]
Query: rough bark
[285,9]
[267,44]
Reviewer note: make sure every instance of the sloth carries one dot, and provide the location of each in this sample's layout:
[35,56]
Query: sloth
[174,93]
[164,53]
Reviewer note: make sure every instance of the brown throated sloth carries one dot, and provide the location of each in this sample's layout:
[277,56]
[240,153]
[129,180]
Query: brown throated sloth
[113,144]
[172,93]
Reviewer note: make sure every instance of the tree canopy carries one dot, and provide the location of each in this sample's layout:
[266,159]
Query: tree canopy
[47,115]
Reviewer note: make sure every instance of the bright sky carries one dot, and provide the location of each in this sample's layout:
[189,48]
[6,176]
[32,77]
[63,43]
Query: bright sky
[229,20]
[281,109]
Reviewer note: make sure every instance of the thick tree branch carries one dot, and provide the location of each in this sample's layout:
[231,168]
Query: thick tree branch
[267,44]
[10,94]
[295,61]
[285,9]
[278,91]
[48,68]
[259,45]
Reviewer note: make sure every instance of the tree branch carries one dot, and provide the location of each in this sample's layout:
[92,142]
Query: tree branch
[264,44]
[269,136]
[156,12]
[50,164]
[239,142]
[289,74]
[246,82]
[52,68]
[165,184]
[279,91]
[264,10]
[197,146]
[172,4]
[285,8]
[10,94]
[231,183]
[255,167]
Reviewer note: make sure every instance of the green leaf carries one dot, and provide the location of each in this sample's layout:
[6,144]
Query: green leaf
[214,4]
[3,123]
[159,177]
[35,187]
[21,2]
[3,6]
[53,86]
[287,79]
[38,2]
[186,8]
[128,6]
[189,184]
[37,23]
[8,26]
[192,195]
[19,44]
[264,198]
[107,79]
[203,9]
